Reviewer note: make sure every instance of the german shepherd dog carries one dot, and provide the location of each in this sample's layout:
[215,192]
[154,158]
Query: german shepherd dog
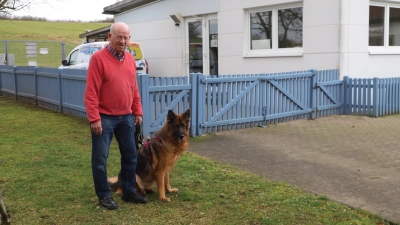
[157,156]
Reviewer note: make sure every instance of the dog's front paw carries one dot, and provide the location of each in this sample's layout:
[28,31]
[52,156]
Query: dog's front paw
[165,199]
[173,190]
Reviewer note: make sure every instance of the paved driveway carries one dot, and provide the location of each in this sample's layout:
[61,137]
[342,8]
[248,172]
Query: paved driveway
[351,159]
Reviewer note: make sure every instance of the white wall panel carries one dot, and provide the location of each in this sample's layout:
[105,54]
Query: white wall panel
[230,21]
[359,12]
[236,64]
[230,44]
[321,12]
[227,5]
[358,39]
[167,67]
[363,65]
[321,39]
[257,3]
[231,65]
[159,29]
[168,48]
[359,66]
[240,65]
[321,61]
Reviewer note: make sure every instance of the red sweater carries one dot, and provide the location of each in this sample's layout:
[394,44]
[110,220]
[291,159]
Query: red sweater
[111,86]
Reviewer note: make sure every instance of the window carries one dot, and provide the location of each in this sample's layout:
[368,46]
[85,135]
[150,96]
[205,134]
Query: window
[274,31]
[384,27]
[73,58]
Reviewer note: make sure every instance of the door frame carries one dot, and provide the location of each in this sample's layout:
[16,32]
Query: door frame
[205,41]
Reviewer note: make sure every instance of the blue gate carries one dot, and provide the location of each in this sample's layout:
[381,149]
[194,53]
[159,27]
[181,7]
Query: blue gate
[235,102]
[231,102]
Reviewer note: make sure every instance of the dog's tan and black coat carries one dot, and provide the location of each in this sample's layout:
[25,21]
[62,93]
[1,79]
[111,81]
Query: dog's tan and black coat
[157,156]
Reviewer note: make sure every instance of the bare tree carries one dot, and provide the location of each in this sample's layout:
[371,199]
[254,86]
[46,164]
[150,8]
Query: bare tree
[290,27]
[7,7]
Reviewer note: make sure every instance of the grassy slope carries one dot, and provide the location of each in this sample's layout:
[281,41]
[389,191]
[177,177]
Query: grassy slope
[43,31]
[39,30]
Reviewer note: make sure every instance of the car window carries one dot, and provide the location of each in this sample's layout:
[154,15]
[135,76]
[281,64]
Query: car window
[85,52]
[73,57]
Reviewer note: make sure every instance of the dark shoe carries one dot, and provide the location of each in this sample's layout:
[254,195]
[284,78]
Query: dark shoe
[134,197]
[108,203]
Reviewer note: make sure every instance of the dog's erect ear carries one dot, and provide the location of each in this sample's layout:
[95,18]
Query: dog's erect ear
[187,114]
[171,116]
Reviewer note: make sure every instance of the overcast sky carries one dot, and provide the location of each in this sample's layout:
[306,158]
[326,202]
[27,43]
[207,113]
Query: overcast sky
[83,10]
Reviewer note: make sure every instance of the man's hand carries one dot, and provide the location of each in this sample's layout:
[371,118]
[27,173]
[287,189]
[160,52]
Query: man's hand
[138,119]
[96,127]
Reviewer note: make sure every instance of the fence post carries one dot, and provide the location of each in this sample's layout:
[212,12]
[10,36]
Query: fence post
[345,109]
[200,112]
[6,52]
[35,86]
[313,94]
[396,94]
[59,91]
[62,51]
[193,103]
[1,93]
[15,83]
[376,97]
[144,83]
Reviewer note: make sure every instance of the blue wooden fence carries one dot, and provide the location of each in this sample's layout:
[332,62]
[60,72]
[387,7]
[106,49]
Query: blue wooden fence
[372,97]
[218,103]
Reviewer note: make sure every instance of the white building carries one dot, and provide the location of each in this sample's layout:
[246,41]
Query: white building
[359,37]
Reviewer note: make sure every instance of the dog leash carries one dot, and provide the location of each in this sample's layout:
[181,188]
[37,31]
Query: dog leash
[138,136]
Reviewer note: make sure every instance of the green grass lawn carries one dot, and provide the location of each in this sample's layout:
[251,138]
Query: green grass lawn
[45,176]
[52,32]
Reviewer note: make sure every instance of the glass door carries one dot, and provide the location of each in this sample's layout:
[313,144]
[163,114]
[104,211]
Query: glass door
[202,45]
[194,53]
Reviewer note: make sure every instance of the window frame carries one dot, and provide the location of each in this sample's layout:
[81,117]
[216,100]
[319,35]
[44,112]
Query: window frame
[385,49]
[274,51]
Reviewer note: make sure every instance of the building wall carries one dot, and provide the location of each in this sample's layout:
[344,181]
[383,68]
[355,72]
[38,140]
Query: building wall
[354,38]
[359,62]
[162,41]
[335,35]
[320,38]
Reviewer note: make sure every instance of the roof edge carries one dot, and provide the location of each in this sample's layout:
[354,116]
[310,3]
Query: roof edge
[125,5]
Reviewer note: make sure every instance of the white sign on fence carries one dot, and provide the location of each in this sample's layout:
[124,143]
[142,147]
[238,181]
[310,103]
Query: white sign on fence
[32,63]
[44,51]
[30,49]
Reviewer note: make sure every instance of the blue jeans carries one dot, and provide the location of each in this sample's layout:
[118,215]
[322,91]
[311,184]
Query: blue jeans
[122,128]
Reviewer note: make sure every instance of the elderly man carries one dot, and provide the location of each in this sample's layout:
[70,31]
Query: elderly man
[113,107]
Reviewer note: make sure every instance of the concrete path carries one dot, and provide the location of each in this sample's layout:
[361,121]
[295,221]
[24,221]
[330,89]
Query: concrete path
[350,159]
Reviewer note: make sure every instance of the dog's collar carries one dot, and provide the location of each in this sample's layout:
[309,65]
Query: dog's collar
[147,147]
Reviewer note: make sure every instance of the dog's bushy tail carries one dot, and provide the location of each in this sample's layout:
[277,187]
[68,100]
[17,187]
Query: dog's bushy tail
[114,186]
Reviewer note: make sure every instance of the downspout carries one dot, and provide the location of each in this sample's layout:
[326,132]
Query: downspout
[344,38]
